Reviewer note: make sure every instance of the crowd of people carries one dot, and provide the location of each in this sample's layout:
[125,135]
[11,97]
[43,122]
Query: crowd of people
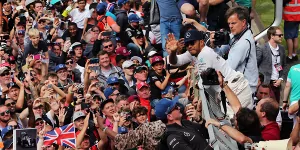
[124,76]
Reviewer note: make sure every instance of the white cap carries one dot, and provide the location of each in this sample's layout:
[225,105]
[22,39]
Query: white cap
[127,64]
[151,53]
[77,115]
[137,58]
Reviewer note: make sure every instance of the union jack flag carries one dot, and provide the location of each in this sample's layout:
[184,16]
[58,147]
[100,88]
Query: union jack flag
[64,136]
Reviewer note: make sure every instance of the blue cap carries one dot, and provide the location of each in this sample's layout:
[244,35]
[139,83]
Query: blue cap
[122,130]
[60,66]
[101,7]
[108,91]
[122,2]
[167,89]
[112,80]
[164,107]
[134,18]
[6,130]
[52,2]
[193,35]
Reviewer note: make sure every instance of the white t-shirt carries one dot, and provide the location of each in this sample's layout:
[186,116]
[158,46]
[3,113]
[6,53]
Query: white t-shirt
[275,59]
[79,17]
[208,58]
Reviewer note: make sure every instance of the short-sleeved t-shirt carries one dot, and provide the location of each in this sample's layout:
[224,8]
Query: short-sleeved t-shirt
[293,78]
[131,32]
[245,3]
[30,49]
[155,91]
[79,17]
[107,19]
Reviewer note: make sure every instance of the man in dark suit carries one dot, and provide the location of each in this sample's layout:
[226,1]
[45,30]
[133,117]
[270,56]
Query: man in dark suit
[271,60]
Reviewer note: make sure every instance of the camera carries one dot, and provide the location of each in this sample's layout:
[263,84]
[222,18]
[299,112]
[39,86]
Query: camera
[210,77]
[221,38]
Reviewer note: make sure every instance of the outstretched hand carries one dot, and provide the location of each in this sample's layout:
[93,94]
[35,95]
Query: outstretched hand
[171,43]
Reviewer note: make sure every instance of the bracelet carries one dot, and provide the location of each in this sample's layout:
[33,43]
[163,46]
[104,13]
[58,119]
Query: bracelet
[224,84]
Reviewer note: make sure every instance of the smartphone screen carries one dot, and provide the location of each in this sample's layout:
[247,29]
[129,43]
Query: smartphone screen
[94,60]
[68,38]
[37,57]
[106,33]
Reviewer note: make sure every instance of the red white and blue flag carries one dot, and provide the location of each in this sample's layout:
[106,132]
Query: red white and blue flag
[64,136]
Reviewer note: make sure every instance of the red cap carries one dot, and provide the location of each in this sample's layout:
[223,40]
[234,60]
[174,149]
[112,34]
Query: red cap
[6,64]
[122,51]
[133,98]
[156,59]
[141,84]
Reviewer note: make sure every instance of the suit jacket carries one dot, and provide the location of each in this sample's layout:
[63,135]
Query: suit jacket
[264,61]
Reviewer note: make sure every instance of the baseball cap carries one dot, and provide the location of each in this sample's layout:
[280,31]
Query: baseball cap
[139,33]
[2,69]
[133,98]
[76,44]
[134,18]
[59,67]
[193,35]
[8,143]
[52,2]
[112,80]
[164,107]
[151,53]
[28,2]
[122,2]
[141,84]
[12,85]
[102,105]
[156,59]
[139,69]
[137,58]
[108,91]
[122,51]
[168,89]
[127,63]
[77,115]
[101,7]
[37,117]
[6,130]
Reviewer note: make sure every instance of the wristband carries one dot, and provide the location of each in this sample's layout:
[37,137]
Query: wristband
[104,129]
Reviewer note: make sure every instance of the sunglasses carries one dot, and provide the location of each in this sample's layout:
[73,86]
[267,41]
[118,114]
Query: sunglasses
[108,46]
[38,107]
[95,30]
[279,35]
[14,126]
[69,62]
[114,84]
[4,113]
[5,74]
[187,44]
[10,104]
[39,123]
[131,67]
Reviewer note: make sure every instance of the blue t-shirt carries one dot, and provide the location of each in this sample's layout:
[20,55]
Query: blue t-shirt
[294,79]
[170,9]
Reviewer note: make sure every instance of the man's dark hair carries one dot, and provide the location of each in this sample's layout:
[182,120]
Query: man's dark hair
[139,110]
[271,108]
[248,122]
[72,24]
[242,13]
[81,0]
[120,98]
[272,31]
[265,86]
[36,2]
[52,75]
[106,40]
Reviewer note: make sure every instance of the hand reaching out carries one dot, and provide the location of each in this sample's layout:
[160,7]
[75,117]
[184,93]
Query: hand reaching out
[172,43]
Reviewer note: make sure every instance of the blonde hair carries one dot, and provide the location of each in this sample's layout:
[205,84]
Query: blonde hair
[33,32]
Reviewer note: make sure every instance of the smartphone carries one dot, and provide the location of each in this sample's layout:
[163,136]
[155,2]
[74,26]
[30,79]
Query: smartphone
[49,86]
[37,57]
[68,38]
[94,60]
[80,91]
[106,33]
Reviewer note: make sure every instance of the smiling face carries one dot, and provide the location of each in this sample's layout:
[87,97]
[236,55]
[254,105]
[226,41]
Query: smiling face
[4,114]
[109,109]
[144,92]
[14,93]
[104,60]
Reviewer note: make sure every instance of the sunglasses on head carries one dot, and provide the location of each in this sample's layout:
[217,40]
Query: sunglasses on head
[115,94]
[189,43]
[39,123]
[14,126]
[4,113]
[69,62]
[108,46]
[5,74]
[10,104]
[176,107]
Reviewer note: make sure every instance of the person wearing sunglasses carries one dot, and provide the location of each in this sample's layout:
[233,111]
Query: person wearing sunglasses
[207,58]
[271,60]
[11,105]
[169,112]
[4,79]
[4,116]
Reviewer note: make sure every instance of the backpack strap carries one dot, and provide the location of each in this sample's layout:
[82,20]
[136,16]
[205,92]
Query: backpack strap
[247,58]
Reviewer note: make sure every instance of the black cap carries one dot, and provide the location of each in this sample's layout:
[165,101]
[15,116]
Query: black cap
[193,35]
[12,85]
[105,102]
[139,69]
